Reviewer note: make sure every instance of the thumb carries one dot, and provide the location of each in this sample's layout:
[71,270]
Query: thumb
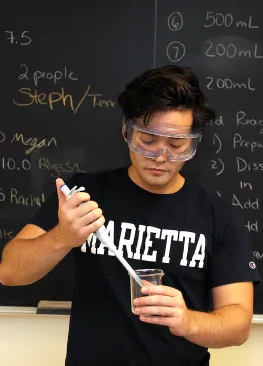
[61,197]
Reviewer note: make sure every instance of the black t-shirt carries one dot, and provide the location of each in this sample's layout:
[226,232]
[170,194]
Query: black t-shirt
[199,241]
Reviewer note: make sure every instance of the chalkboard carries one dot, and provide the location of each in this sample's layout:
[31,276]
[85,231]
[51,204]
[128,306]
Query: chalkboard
[62,69]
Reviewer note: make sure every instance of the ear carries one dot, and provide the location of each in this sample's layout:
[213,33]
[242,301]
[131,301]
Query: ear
[124,131]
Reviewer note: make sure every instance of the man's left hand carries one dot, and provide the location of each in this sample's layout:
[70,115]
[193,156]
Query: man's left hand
[164,306]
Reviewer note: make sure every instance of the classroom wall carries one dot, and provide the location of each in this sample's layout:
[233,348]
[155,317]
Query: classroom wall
[30,340]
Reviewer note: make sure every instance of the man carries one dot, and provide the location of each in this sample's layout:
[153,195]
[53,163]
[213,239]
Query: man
[157,219]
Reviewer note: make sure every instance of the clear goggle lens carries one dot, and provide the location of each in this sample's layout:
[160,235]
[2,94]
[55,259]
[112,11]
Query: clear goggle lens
[179,144]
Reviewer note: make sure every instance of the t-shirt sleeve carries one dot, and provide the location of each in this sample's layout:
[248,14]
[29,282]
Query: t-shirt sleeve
[232,259]
[47,215]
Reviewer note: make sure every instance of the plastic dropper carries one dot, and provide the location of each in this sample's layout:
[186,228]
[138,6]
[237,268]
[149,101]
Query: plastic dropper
[102,235]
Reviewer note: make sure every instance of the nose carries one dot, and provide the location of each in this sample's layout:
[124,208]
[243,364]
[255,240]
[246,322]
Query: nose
[162,157]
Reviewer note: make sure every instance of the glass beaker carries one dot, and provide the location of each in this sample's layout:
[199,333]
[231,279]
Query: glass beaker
[148,277]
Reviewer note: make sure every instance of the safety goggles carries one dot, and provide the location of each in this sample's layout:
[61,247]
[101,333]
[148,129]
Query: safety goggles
[179,143]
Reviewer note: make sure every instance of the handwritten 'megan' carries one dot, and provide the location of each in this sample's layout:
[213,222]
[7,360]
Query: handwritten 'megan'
[34,142]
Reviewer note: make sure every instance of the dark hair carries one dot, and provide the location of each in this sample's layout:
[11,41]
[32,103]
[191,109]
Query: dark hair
[162,89]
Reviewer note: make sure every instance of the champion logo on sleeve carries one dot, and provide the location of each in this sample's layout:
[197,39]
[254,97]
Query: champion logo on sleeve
[252,265]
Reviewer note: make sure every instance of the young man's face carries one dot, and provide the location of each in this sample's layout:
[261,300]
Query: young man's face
[159,174]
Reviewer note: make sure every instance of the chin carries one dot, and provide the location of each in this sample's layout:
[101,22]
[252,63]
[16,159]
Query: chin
[155,181]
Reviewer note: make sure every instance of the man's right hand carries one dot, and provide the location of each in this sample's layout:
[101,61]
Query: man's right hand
[76,222]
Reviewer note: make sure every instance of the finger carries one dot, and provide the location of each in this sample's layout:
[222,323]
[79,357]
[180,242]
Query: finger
[85,208]
[92,227]
[78,198]
[89,217]
[146,283]
[155,310]
[166,321]
[61,197]
[160,290]
[159,300]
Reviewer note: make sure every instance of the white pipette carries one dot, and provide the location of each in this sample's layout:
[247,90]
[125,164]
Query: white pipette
[103,236]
